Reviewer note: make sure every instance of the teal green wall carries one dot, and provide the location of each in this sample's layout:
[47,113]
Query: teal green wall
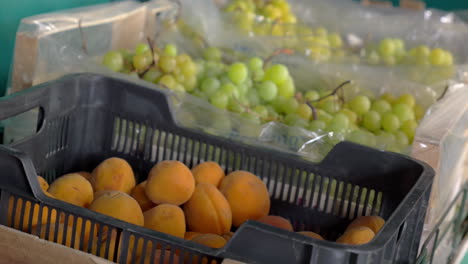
[12,11]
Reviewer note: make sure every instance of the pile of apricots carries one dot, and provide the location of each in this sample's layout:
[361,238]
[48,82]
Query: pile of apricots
[201,204]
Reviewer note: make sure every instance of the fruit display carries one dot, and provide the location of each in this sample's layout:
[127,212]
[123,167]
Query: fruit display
[172,201]
[261,91]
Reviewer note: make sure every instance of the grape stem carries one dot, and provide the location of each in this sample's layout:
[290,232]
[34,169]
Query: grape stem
[83,40]
[153,62]
[276,53]
[334,92]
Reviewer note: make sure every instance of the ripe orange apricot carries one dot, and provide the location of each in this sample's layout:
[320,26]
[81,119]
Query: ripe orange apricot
[170,182]
[356,236]
[21,218]
[375,223]
[227,235]
[165,257]
[65,238]
[311,234]
[208,172]
[114,174]
[277,221]
[85,174]
[247,195]
[208,210]
[210,240]
[72,188]
[166,218]
[43,183]
[118,205]
[139,194]
[191,235]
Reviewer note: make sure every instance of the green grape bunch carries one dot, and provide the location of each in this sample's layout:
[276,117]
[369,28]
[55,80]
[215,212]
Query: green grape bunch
[261,91]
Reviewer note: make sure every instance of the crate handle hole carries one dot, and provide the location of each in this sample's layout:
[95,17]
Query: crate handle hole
[400,231]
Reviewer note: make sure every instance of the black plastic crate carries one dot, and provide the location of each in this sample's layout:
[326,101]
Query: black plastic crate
[86,118]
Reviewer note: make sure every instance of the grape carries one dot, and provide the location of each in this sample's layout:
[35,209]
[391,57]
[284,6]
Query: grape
[290,105]
[190,82]
[324,116]
[437,57]
[407,99]
[295,120]
[152,75]
[330,104]
[387,47]
[401,138]
[267,90]
[403,112]
[311,95]
[180,78]
[335,40]
[389,60]
[362,137]
[316,125]
[388,97]
[385,139]
[251,117]
[373,58]
[219,99]
[142,61]
[210,85]
[141,48]
[287,89]
[277,73]
[183,58]
[381,106]
[258,75]
[170,50]
[409,128]
[422,51]
[339,123]
[418,111]
[237,72]
[234,106]
[168,81]
[167,63]
[188,68]
[360,104]
[230,89]
[113,60]
[242,88]
[352,116]
[212,54]
[261,110]
[399,44]
[253,97]
[390,122]
[304,111]
[255,63]
[371,121]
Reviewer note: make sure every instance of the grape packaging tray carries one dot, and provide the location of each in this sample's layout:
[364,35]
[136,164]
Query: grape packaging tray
[86,118]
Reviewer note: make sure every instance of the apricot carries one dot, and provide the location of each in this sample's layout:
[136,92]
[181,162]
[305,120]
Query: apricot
[65,238]
[43,183]
[247,195]
[208,210]
[277,221]
[72,188]
[375,223]
[85,174]
[191,235]
[356,236]
[167,258]
[210,240]
[170,182]
[166,218]
[208,172]
[227,235]
[118,205]
[139,194]
[106,242]
[23,223]
[114,174]
[311,234]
